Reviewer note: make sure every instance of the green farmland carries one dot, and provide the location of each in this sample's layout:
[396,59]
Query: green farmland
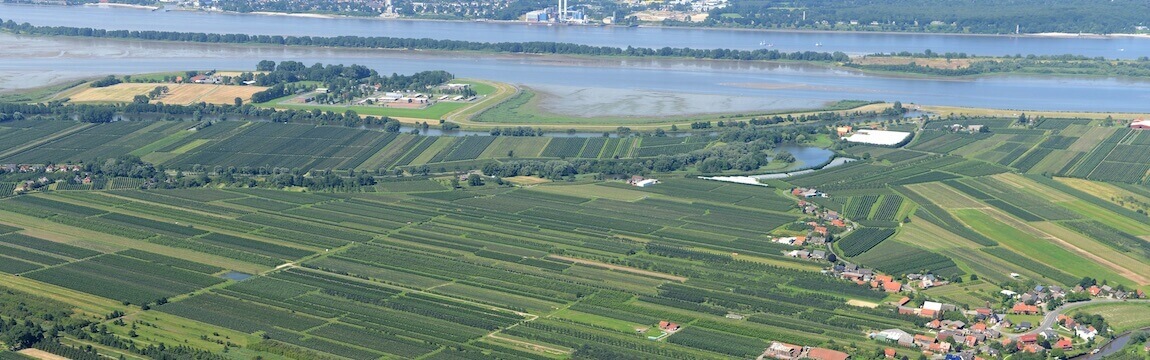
[276,145]
[409,257]
[423,274]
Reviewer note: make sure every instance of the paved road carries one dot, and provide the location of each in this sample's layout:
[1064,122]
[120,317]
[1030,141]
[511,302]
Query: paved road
[1052,316]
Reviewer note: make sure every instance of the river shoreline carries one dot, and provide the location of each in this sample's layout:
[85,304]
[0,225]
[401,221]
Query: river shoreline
[651,26]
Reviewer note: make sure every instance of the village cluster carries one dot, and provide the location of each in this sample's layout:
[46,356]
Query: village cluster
[951,332]
[995,331]
[44,171]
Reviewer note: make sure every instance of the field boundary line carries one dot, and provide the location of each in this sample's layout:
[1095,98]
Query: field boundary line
[619,268]
[531,345]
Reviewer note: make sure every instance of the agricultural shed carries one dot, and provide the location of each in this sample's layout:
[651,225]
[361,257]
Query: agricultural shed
[878,137]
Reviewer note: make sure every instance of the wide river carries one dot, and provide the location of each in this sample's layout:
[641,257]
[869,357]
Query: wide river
[651,37]
[579,86]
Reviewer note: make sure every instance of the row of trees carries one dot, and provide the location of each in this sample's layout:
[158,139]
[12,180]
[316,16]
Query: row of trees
[970,16]
[380,42]
[1063,65]
[104,113]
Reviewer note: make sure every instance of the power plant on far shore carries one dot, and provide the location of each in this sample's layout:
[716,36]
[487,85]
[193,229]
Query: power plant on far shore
[560,14]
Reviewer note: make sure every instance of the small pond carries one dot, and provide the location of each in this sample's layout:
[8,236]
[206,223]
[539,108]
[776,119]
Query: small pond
[236,275]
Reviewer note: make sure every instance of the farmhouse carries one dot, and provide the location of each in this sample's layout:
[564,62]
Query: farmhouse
[807,193]
[1140,124]
[826,354]
[1064,344]
[783,351]
[844,130]
[878,137]
[1023,309]
[641,182]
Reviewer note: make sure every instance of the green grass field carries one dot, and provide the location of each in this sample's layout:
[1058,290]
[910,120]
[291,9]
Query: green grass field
[1122,317]
[1039,249]
[433,112]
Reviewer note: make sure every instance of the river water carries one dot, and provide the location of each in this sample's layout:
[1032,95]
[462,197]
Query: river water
[652,37]
[580,87]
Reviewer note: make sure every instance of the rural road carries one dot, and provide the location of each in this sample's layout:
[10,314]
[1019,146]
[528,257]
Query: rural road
[1052,316]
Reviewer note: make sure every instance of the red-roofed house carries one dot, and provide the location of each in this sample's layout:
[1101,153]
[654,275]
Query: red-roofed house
[838,223]
[923,340]
[890,353]
[1023,309]
[1094,290]
[827,354]
[978,327]
[971,341]
[822,230]
[1064,344]
[892,286]
[1028,339]
[930,313]
[884,278]
[903,301]
[942,347]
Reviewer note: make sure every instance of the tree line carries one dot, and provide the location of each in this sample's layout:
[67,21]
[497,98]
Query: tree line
[959,16]
[382,42]
[104,113]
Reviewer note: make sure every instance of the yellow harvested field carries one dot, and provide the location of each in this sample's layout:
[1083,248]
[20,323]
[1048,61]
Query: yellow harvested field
[527,180]
[179,94]
[937,63]
[860,303]
[1101,190]
[41,354]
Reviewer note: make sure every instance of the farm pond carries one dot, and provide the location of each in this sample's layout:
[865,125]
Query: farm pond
[236,275]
